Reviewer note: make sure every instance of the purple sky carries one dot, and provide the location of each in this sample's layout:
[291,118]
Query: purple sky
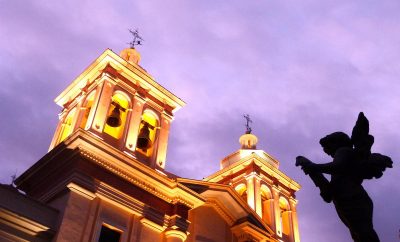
[301,69]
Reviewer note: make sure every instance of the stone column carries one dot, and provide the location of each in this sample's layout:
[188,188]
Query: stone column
[162,145]
[295,224]
[96,99]
[257,195]
[254,193]
[78,112]
[102,106]
[59,129]
[134,122]
[63,124]
[250,192]
[277,211]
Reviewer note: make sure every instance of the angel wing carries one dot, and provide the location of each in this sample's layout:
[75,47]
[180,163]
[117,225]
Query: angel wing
[371,165]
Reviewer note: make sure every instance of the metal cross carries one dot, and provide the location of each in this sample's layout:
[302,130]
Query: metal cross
[248,122]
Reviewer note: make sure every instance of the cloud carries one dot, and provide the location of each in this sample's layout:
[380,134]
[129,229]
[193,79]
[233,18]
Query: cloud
[300,70]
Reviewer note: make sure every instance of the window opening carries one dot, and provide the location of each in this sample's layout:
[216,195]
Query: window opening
[116,117]
[267,205]
[284,216]
[67,126]
[147,134]
[109,234]
[88,107]
[242,190]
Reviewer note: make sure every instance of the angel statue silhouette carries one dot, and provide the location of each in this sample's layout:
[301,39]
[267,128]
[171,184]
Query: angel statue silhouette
[352,163]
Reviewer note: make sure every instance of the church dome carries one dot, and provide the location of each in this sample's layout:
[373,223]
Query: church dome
[131,55]
[248,141]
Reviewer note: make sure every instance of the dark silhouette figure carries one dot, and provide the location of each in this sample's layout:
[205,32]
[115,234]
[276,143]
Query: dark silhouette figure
[352,163]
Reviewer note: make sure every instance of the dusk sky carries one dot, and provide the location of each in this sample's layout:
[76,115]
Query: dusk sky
[301,69]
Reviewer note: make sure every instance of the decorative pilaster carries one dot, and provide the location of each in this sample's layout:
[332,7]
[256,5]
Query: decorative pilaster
[134,124]
[257,194]
[251,191]
[254,193]
[80,110]
[57,134]
[295,225]
[277,211]
[102,106]
[96,99]
[163,140]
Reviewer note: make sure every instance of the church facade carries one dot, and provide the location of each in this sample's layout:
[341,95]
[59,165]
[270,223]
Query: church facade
[103,178]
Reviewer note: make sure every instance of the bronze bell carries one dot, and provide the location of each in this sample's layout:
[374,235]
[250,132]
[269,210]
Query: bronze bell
[114,120]
[144,141]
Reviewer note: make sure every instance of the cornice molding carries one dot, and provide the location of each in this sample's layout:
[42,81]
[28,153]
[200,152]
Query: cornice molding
[22,223]
[146,178]
[135,179]
[133,72]
[259,161]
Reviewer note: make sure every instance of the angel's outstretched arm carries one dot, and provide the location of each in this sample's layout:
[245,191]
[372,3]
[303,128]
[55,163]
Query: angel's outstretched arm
[317,177]
[310,167]
[323,184]
[342,158]
[327,168]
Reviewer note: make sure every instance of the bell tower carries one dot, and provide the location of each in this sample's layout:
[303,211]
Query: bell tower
[118,102]
[256,177]
[105,171]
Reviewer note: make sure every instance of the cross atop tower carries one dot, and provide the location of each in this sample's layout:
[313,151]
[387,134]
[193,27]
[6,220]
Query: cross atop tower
[248,122]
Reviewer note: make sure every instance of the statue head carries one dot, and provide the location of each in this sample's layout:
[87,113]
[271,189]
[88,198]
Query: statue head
[332,142]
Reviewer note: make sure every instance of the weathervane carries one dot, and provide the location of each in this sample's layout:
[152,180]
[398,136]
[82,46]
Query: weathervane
[248,122]
[137,40]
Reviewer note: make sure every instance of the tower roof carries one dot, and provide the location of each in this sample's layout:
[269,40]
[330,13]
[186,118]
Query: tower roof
[128,69]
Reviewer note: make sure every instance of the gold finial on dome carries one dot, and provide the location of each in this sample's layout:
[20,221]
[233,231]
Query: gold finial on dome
[131,54]
[248,141]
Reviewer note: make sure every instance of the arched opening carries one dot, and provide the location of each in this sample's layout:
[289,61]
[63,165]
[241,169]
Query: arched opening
[285,217]
[147,133]
[116,118]
[267,205]
[67,128]
[241,189]
[86,110]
